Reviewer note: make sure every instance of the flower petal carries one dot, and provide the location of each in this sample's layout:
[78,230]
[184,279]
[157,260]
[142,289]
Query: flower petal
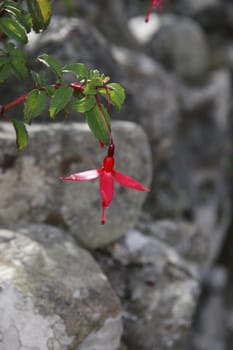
[106,188]
[85,175]
[128,181]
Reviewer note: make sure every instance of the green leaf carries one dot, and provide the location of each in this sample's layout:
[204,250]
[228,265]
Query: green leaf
[52,63]
[12,51]
[90,88]
[39,78]
[2,5]
[26,20]
[94,74]
[36,15]
[40,11]
[50,90]
[104,79]
[34,105]
[19,68]
[78,69]
[13,29]
[15,12]
[15,60]
[118,90]
[117,94]
[12,8]
[4,60]
[84,105]
[46,11]
[97,124]
[21,135]
[60,99]
[4,72]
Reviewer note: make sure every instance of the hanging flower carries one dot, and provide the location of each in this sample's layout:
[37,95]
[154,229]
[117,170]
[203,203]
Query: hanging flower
[107,175]
[153,3]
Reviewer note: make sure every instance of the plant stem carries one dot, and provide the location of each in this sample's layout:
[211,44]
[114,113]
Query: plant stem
[107,93]
[13,103]
[76,86]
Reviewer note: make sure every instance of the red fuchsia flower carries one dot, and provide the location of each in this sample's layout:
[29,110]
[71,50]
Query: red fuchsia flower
[153,3]
[107,175]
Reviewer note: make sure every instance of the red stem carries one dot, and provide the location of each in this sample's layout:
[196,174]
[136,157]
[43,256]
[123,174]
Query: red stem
[153,3]
[111,149]
[13,103]
[5,108]
[77,86]
[107,92]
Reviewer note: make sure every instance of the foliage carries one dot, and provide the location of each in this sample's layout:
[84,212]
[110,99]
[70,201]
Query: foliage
[83,95]
[91,92]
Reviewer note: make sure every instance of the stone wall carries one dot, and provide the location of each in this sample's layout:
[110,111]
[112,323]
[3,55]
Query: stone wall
[136,283]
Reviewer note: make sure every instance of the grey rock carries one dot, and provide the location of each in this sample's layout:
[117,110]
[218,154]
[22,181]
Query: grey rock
[144,31]
[193,7]
[87,9]
[123,347]
[31,189]
[209,14]
[213,97]
[157,288]
[106,337]
[108,18]
[53,295]
[73,40]
[181,45]
[209,331]
[191,180]
[112,21]
[212,213]
[151,99]
[189,241]
[189,172]
[224,56]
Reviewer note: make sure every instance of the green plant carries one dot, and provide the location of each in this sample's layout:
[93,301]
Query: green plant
[85,94]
